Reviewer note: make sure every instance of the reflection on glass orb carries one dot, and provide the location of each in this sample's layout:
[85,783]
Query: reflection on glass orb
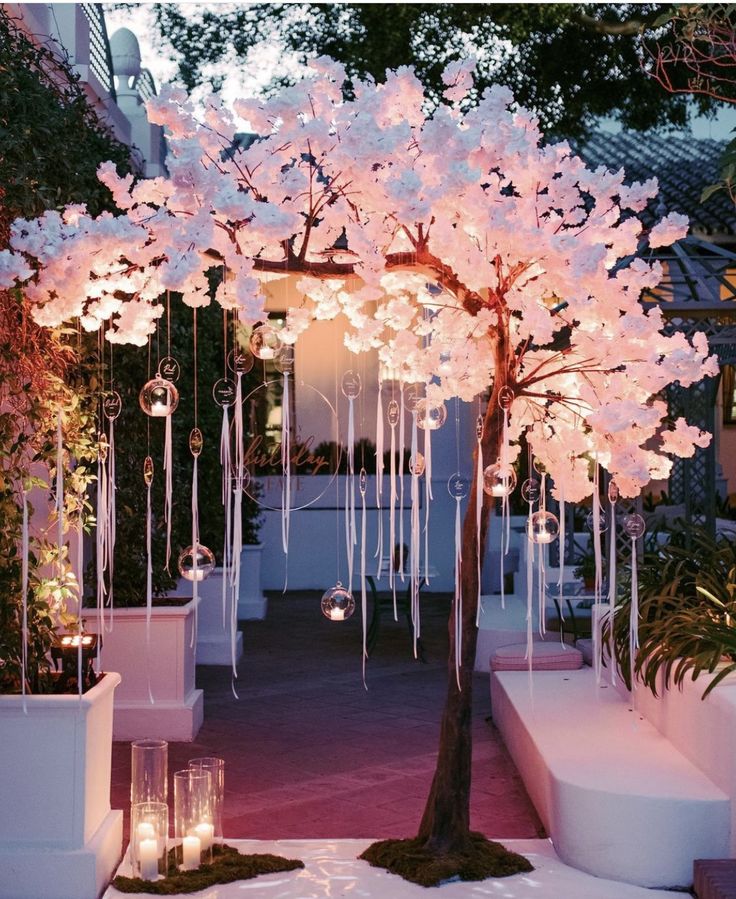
[634,525]
[531,491]
[499,480]
[602,522]
[417,464]
[613,493]
[205,563]
[265,342]
[430,416]
[158,398]
[543,527]
[393,413]
[239,483]
[337,603]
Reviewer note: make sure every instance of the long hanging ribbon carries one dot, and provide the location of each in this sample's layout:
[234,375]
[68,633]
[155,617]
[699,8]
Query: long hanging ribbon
[392,518]
[505,508]
[415,533]
[111,520]
[597,642]
[634,624]
[402,441]
[612,591]
[24,594]
[226,501]
[478,513]
[59,487]
[237,530]
[80,600]
[529,588]
[195,548]
[286,473]
[379,474]
[101,535]
[427,497]
[458,605]
[350,529]
[169,484]
[363,592]
[149,577]
[541,583]
[561,577]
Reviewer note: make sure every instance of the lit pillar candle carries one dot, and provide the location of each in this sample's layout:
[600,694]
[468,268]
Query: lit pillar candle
[192,853]
[148,858]
[146,831]
[206,833]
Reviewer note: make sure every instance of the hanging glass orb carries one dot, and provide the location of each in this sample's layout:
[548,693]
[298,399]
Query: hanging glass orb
[158,398]
[499,480]
[337,603]
[417,464]
[634,525]
[205,563]
[543,527]
[430,416]
[265,342]
[531,491]
[602,521]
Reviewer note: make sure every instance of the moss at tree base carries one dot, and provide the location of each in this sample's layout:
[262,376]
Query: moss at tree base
[411,860]
[228,865]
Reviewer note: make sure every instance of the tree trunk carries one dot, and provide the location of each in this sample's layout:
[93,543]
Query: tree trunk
[445,825]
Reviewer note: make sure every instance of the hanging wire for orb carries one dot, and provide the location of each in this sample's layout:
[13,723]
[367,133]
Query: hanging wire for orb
[337,603]
[531,490]
[265,342]
[430,416]
[499,480]
[158,398]
[543,527]
[205,563]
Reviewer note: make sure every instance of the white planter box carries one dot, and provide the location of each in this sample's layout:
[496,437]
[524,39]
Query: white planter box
[252,604]
[177,710]
[59,838]
[213,634]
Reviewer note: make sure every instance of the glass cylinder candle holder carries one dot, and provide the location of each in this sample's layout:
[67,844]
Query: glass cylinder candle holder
[149,834]
[193,826]
[149,771]
[216,768]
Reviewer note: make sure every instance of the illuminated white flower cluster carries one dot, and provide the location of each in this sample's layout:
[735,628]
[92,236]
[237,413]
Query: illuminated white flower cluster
[442,240]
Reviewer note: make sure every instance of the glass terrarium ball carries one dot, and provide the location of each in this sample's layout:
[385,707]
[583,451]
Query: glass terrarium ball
[543,527]
[158,398]
[634,525]
[265,342]
[602,521]
[205,563]
[531,491]
[430,416]
[337,603]
[499,479]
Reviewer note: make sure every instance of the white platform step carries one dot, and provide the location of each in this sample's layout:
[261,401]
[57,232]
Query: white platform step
[617,799]
[332,869]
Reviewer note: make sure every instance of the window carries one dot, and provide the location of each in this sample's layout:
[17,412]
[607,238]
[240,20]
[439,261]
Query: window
[728,386]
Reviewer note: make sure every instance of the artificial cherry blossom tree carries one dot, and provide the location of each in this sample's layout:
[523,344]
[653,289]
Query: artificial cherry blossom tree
[522,239]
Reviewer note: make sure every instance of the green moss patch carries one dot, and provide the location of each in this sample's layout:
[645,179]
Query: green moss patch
[478,860]
[228,865]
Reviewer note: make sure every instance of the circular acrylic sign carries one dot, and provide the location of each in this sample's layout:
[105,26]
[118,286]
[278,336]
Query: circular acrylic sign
[111,405]
[169,369]
[314,460]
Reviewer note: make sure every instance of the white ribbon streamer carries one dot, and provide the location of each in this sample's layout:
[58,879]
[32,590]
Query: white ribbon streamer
[415,536]
[350,529]
[392,520]
[634,624]
[363,593]
[24,551]
[458,593]
[478,514]
[379,475]
[149,589]
[597,623]
[612,592]
[427,497]
[111,519]
[402,441]
[285,471]
[169,485]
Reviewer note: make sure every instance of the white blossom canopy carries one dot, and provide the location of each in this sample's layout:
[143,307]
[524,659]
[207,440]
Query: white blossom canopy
[432,233]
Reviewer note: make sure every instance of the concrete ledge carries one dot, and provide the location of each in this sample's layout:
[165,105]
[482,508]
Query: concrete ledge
[32,872]
[161,720]
[617,799]
[215,650]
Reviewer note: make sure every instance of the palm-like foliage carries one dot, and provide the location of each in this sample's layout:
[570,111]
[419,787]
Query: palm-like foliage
[687,612]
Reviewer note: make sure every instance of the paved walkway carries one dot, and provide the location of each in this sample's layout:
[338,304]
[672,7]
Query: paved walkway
[310,754]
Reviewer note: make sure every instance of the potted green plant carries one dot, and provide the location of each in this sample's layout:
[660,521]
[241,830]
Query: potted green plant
[585,568]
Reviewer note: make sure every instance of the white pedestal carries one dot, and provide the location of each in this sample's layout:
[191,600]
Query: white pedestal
[213,634]
[59,839]
[163,672]
[252,604]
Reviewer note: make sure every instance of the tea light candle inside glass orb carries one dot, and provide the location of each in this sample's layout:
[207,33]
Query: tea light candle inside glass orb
[430,416]
[543,527]
[158,398]
[205,563]
[337,603]
[265,342]
[499,480]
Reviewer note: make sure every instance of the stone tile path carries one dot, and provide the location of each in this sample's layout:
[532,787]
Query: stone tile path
[311,754]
